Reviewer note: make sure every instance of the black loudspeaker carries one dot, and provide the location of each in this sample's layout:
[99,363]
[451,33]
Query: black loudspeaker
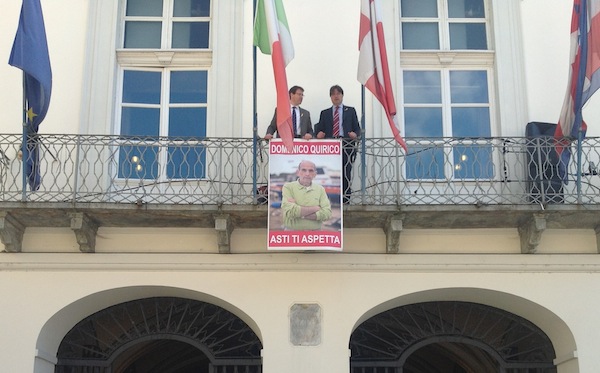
[542,170]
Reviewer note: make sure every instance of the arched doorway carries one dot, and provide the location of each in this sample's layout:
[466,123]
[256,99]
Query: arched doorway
[450,337]
[162,334]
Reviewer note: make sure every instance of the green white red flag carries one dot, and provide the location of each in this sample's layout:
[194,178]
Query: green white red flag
[272,36]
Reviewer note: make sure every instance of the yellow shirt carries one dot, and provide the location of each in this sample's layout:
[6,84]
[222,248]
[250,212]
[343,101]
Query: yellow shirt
[295,196]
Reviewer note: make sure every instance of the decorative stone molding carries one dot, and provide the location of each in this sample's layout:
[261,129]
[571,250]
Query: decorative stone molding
[597,230]
[224,227]
[531,233]
[85,229]
[393,228]
[127,57]
[11,232]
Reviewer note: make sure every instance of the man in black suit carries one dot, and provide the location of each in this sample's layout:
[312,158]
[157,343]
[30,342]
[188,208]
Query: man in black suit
[300,117]
[343,125]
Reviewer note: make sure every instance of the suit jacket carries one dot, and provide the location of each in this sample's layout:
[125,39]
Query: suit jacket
[349,122]
[305,123]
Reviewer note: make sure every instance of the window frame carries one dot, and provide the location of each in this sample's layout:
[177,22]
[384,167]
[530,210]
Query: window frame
[446,60]
[164,106]
[164,60]
[164,56]
[443,21]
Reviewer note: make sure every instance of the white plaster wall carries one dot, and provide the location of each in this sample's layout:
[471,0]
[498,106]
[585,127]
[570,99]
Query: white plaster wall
[546,42]
[66,27]
[34,287]
[261,290]
[356,240]
[326,54]
[10,99]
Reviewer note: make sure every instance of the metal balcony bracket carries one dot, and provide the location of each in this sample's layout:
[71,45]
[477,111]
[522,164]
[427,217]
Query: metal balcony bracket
[224,227]
[393,228]
[530,233]
[85,229]
[597,230]
[11,232]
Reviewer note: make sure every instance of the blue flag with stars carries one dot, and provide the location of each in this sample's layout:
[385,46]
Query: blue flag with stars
[30,54]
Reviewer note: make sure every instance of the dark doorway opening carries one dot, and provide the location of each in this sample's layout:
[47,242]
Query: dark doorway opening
[449,357]
[162,356]
[450,337]
[160,335]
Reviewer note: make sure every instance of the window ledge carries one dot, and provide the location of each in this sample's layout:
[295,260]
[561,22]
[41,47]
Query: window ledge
[156,58]
[446,58]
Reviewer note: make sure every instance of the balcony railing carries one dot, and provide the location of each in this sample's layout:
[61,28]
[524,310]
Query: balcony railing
[226,171]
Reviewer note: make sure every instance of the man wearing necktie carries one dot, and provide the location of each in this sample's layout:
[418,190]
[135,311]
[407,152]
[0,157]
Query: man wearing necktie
[300,118]
[341,122]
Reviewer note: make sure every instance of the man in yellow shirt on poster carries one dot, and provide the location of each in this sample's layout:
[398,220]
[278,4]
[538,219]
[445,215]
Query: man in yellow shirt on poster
[305,204]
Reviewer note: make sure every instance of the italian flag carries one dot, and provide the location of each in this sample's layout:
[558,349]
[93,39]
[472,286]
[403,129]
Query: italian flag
[272,36]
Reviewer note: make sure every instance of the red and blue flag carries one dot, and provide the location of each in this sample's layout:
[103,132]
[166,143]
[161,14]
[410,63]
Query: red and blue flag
[584,77]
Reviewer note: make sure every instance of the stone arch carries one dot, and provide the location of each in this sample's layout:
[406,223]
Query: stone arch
[548,327]
[63,322]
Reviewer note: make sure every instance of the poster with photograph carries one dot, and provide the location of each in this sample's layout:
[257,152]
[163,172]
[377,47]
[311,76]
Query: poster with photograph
[305,195]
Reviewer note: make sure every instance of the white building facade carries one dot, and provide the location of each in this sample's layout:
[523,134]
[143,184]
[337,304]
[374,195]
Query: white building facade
[185,283]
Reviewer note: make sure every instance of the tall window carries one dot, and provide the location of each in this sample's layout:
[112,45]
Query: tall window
[447,72]
[167,24]
[163,91]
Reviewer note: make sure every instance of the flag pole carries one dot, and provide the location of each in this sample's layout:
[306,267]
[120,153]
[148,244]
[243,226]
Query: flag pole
[255,116]
[583,27]
[579,168]
[24,150]
[363,156]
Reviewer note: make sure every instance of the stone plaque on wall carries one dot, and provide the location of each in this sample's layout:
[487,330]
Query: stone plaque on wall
[305,324]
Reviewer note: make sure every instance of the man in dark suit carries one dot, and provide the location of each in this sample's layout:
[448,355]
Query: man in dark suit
[343,125]
[300,117]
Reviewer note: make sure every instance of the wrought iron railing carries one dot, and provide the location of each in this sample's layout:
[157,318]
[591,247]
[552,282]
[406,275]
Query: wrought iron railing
[440,171]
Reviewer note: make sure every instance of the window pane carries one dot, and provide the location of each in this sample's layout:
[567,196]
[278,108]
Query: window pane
[142,87]
[422,87]
[420,35]
[142,34]
[473,162]
[471,122]
[188,87]
[468,87]
[423,122]
[138,162]
[468,36]
[186,162]
[191,8]
[425,163]
[190,35]
[140,121]
[187,122]
[466,9]
[419,8]
[146,8]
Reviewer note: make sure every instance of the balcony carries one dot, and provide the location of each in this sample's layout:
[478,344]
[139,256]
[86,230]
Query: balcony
[112,181]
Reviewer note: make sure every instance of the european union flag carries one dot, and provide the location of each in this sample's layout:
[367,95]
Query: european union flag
[30,54]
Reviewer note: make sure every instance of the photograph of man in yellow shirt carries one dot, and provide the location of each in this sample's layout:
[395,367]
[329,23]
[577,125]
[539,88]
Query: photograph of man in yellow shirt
[304,204]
